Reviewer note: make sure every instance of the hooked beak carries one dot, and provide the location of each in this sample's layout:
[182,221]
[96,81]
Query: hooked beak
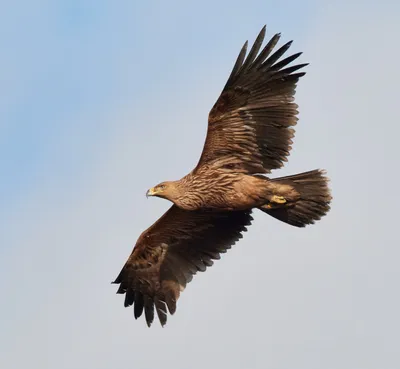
[150,192]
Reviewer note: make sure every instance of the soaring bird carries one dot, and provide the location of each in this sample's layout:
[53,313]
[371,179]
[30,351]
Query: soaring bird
[249,134]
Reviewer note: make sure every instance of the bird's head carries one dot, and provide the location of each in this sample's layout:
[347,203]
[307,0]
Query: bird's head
[166,190]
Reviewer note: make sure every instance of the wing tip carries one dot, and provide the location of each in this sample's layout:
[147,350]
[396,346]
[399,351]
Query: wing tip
[262,33]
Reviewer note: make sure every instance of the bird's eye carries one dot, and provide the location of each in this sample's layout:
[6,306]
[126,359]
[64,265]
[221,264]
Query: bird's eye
[161,187]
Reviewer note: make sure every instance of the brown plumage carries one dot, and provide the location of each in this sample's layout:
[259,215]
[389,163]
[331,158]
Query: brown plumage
[249,134]
[171,251]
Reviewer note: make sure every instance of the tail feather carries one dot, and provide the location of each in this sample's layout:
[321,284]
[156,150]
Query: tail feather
[312,204]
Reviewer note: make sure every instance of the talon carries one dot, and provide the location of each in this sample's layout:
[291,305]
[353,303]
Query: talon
[278,199]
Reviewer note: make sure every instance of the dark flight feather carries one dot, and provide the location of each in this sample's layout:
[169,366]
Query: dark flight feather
[178,245]
[236,130]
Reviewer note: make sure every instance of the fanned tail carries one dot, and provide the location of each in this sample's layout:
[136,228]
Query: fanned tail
[312,203]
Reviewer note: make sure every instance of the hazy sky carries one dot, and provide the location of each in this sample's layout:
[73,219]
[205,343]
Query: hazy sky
[101,100]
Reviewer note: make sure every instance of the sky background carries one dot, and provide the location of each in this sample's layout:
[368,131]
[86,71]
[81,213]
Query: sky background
[101,100]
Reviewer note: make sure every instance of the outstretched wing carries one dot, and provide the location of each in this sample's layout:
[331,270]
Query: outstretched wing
[170,252]
[249,127]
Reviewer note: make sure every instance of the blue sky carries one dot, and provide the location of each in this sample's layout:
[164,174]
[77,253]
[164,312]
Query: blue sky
[69,59]
[101,100]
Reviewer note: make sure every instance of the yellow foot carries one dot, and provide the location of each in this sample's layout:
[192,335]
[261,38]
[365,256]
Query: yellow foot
[278,199]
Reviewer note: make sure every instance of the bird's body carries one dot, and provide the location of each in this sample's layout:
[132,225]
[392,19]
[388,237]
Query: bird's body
[225,189]
[250,131]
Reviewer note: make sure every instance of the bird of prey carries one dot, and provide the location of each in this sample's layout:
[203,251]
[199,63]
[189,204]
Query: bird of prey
[249,134]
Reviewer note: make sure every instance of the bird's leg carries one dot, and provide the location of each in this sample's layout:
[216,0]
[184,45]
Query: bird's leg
[275,201]
[278,199]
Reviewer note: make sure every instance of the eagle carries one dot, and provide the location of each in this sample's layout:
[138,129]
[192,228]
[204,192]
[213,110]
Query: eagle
[250,131]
